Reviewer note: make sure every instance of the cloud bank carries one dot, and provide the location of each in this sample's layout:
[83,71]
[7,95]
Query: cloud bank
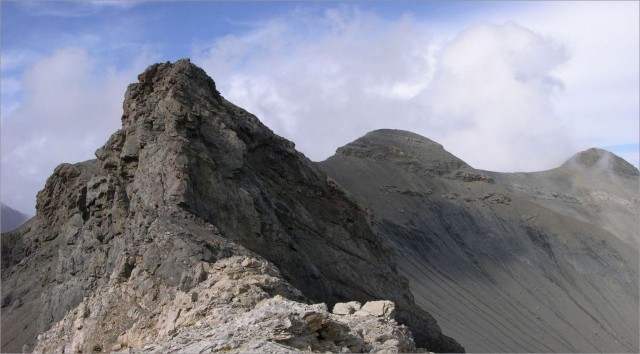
[322,81]
[494,85]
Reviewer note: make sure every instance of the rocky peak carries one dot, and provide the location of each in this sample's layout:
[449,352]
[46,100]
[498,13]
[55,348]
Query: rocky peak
[174,117]
[191,179]
[171,99]
[598,160]
[412,152]
[387,144]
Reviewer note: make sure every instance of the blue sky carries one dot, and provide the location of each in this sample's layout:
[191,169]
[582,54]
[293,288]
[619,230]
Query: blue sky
[507,86]
[171,30]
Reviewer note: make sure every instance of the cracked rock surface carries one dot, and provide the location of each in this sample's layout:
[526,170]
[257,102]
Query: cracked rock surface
[242,305]
[121,244]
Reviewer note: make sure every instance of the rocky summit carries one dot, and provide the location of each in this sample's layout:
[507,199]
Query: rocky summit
[507,262]
[198,229]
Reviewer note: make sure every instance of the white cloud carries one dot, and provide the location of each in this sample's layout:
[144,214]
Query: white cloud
[71,104]
[492,91]
[11,85]
[323,81]
[10,88]
[600,103]
[16,59]
[499,95]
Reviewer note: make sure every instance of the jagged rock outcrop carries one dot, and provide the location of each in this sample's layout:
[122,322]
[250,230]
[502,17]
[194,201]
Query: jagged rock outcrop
[135,308]
[189,181]
[243,305]
[281,325]
[518,262]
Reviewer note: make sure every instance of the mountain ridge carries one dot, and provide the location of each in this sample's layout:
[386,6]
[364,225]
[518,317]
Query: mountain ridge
[593,157]
[196,219]
[189,181]
[481,253]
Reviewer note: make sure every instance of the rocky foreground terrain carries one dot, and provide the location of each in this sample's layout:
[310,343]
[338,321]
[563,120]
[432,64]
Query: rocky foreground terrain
[507,262]
[198,229]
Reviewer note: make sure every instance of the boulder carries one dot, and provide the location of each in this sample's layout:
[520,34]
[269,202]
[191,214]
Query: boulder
[383,308]
[346,308]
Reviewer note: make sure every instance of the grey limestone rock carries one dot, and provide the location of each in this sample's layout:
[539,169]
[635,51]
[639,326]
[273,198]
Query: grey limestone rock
[346,308]
[242,304]
[381,308]
[189,180]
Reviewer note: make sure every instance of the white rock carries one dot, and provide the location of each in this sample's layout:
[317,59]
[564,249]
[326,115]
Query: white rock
[346,308]
[232,312]
[381,308]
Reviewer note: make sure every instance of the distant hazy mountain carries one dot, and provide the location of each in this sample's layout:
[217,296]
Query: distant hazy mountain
[11,218]
[507,262]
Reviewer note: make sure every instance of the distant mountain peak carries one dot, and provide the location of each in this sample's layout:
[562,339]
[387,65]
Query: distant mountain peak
[401,135]
[389,144]
[11,218]
[406,149]
[601,160]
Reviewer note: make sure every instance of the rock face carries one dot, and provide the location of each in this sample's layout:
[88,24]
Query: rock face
[11,219]
[242,306]
[280,325]
[188,182]
[524,262]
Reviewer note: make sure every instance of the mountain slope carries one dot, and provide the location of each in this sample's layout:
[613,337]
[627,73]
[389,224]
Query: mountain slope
[594,186]
[188,181]
[542,262]
[11,219]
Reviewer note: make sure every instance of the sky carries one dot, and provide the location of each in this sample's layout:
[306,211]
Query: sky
[505,86]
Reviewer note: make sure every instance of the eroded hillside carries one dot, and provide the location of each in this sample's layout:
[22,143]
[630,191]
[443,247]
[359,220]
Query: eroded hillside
[527,262]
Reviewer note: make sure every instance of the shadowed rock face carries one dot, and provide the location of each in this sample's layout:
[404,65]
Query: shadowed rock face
[190,179]
[508,262]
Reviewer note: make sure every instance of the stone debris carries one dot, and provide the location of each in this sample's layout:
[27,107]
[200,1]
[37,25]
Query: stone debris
[242,305]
